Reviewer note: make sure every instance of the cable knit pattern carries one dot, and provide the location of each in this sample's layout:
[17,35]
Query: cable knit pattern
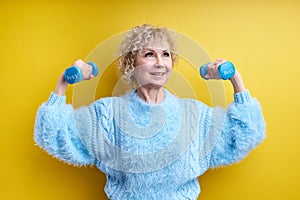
[150,151]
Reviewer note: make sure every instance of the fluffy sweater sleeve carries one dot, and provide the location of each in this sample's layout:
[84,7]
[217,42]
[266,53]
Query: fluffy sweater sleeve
[57,133]
[242,129]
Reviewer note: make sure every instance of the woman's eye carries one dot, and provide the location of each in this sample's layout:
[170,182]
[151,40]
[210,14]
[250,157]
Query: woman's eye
[149,55]
[166,54]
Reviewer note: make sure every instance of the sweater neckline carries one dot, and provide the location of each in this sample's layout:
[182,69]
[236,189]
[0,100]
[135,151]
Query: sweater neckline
[133,95]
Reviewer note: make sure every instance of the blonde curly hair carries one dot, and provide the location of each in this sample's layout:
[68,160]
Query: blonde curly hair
[135,40]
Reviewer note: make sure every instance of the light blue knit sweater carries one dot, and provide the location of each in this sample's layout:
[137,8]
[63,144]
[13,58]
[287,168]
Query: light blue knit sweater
[150,151]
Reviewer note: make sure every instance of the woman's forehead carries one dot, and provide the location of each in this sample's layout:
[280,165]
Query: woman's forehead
[158,45]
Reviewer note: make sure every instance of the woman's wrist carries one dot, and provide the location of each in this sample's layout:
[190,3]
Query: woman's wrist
[61,86]
[60,91]
[237,83]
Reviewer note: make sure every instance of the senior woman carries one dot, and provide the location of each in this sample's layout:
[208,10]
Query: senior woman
[150,143]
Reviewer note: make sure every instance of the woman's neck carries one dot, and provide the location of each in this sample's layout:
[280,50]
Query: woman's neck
[151,95]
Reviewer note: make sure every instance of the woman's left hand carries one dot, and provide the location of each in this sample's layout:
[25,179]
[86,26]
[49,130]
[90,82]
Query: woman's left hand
[212,69]
[236,80]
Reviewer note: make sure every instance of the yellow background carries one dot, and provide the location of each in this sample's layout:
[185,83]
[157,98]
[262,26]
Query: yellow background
[39,39]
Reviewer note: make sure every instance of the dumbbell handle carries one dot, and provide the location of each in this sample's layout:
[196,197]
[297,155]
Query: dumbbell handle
[226,70]
[74,75]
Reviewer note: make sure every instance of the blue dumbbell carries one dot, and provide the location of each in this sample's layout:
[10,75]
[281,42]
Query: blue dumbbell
[74,75]
[226,70]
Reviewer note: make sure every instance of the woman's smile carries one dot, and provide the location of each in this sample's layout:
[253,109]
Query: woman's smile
[158,74]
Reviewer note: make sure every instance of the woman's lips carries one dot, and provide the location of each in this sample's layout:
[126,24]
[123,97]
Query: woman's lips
[157,73]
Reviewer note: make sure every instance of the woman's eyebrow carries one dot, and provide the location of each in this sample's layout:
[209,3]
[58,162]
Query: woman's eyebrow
[153,49]
[149,49]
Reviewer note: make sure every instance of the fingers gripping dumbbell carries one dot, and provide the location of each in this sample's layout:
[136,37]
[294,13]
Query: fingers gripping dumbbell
[226,70]
[74,74]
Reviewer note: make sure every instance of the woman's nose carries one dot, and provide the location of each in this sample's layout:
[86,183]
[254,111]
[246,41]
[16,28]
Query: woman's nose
[159,66]
[159,61]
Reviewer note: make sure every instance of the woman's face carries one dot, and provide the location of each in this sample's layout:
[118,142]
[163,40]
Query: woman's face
[153,65]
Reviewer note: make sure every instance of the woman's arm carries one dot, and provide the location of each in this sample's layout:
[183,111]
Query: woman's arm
[56,129]
[237,82]
[56,132]
[242,126]
[242,130]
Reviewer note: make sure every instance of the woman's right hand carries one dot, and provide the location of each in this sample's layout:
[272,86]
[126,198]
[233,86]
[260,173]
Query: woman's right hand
[62,85]
[85,69]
